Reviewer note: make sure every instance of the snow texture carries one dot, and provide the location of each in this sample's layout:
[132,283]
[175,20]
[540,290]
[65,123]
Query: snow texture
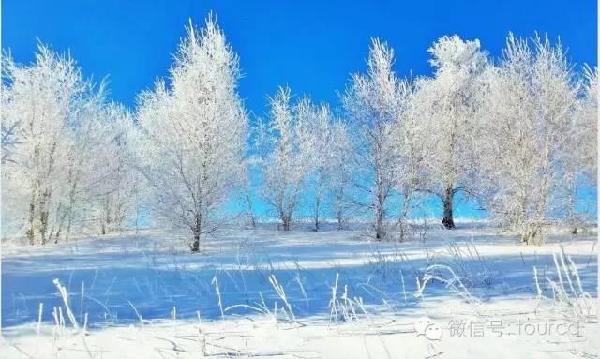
[299,294]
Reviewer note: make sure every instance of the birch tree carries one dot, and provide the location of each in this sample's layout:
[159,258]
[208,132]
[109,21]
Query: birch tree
[448,105]
[586,126]
[529,110]
[117,185]
[79,175]
[374,101]
[286,164]
[323,141]
[341,172]
[411,149]
[43,107]
[580,154]
[193,132]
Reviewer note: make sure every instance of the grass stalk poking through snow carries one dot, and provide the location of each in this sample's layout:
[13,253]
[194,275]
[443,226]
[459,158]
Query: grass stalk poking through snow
[580,301]
[343,307]
[40,310]
[65,297]
[215,283]
[281,293]
[137,313]
[453,282]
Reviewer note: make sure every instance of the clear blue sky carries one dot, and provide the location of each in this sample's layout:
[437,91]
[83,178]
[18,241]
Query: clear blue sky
[311,45]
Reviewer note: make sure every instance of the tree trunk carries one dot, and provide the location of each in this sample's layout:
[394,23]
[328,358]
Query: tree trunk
[44,216]
[447,201]
[317,210]
[31,231]
[197,231]
[286,223]
[379,227]
[340,221]
[571,212]
[339,211]
[532,234]
[380,213]
[251,219]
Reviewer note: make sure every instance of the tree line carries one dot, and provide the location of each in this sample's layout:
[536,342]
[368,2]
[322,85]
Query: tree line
[516,134]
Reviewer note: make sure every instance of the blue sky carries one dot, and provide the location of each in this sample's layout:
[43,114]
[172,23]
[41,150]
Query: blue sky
[311,45]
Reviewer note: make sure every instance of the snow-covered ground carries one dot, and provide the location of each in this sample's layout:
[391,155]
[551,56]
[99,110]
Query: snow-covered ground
[263,293]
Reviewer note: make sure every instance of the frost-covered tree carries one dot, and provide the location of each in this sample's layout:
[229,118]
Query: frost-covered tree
[307,155]
[528,113]
[57,132]
[448,105]
[315,137]
[341,167]
[46,107]
[285,163]
[374,102]
[323,139]
[580,155]
[410,146]
[193,132]
[117,186]
[586,126]
[80,171]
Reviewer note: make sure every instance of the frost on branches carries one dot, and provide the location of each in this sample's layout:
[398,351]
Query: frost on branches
[528,116]
[286,166]
[193,132]
[306,152]
[517,136]
[376,102]
[55,126]
[447,106]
